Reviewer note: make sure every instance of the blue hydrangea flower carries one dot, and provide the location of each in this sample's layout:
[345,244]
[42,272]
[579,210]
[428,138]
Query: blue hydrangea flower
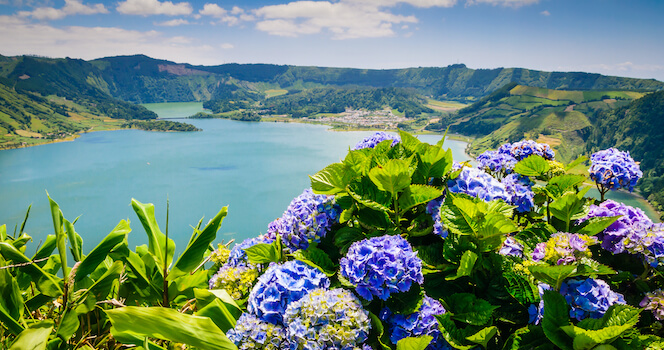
[511,247]
[477,183]
[536,312]
[250,332]
[519,190]
[631,220]
[523,149]
[307,219]
[613,169]
[280,285]
[376,138]
[422,322]
[654,301]
[589,297]
[496,162]
[238,257]
[648,242]
[433,209]
[380,266]
[331,319]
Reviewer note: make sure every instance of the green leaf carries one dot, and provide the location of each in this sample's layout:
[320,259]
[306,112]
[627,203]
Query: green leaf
[393,176]
[68,325]
[193,254]
[415,195]
[530,337]
[35,337]
[407,302]
[567,207]
[533,165]
[558,185]
[156,239]
[521,288]
[414,343]
[408,141]
[129,337]
[60,236]
[552,275]
[454,336]
[11,299]
[587,339]
[75,241]
[99,253]
[466,265]
[575,162]
[595,225]
[358,161]
[206,296]
[46,283]
[168,324]
[264,253]
[218,306]
[459,215]
[616,315]
[377,325]
[317,258]
[470,309]
[332,179]
[555,317]
[46,248]
[346,236]
[483,336]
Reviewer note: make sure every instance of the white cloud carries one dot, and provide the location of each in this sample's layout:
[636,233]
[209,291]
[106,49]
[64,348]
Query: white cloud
[235,16]
[227,46]
[415,3]
[172,23]
[19,36]
[72,7]
[345,20]
[506,3]
[545,13]
[154,7]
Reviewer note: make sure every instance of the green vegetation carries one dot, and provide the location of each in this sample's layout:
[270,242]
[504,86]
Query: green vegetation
[159,125]
[244,116]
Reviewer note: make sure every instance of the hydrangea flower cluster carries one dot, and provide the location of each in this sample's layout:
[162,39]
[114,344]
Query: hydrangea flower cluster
[536,312]
[280,285]
[476,183]
[236,280]
[376,138]
[327,319]
[523,149]
[422,322]
[519,190]
[237,256]
[250,332]
[648,243]
[511,247]
[631,220]
[654,301]
[589,297]
[433,209]
[380,266]
[614,169]
[220,255]
[308,218]
[563,248]
[496,162]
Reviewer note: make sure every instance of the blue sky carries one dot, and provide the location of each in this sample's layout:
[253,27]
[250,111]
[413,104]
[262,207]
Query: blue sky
[613,37]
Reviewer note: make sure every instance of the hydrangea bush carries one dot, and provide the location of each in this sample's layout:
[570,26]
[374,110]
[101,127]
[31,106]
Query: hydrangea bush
[400,245]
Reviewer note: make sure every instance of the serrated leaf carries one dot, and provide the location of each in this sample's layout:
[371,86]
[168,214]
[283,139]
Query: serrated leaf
[558,185]
[552,275]
[587,339]
[415,195]
[392,177]
[532,165]
[414,343]
[531,337]
[521,288]
[576,162]
[459,215]
[408,141]
[454,336]
[468,260]
[358,161]
[616,315]
[263,253]
[595,225]
[556,316]
[317,258]
[470,309]
[332,179]
[483,336]
[566,208]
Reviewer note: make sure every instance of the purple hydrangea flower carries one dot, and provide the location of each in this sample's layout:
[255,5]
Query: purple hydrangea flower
[511,247]
[496,162]
[433,209]
[648,242]
[380,266]
[250,332]
[613,169]
[589,297]
[422,322]
[536,312]
[307,219]
[376,138]
[477,183]
[519,190]
[330,319]
[280,285]
[539,252]
[632,219]
[563,248]
[654,301]
[523,149]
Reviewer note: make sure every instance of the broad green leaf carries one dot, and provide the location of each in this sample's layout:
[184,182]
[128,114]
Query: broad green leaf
[68,325]
[3,232]
[46,283]
[206,296]
[458,214]
[99,253]
[157,242]
[332,179]
[407,302]
[346,236]
[408,141]
[591,268]
[46,248]
[60,235]
[75,241]
[533,165]
[567,207]
[595,225]
[470,309]
[370,202]
[393,176]
[521,288]
[359,162]
[575,162]
[531,337]
[264,253]
[552,275]
[168,324]
[193,254]
[414,343]
[35,337]
[468,260]
[9,322]
[377,324]
[555,318]
[415,195]
[129,337]
[11,299]
[558,185]
[454,336]
[101,285]
[616,315]
[587,339]
[317,258]
[483,336]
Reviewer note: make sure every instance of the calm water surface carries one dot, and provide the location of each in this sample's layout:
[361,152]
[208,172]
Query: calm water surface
[254,168]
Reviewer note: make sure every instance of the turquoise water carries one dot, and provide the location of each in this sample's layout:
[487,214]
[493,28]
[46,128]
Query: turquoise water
[254,168]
